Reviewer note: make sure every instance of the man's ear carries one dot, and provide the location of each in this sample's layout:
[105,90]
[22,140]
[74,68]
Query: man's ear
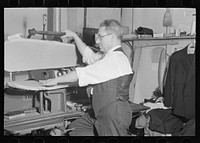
[113,37]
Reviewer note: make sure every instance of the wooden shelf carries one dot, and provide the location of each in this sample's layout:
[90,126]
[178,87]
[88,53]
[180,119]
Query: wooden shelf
[159,38]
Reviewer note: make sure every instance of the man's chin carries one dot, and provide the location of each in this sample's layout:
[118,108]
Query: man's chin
[101,49]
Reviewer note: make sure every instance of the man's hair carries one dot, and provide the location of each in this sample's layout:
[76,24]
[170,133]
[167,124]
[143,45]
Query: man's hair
[113,26]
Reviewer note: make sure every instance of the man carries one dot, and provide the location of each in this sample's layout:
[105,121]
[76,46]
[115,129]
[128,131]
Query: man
[110,74]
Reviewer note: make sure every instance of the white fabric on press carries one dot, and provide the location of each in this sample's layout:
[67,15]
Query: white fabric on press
[33,85]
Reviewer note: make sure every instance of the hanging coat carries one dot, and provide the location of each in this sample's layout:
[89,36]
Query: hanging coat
[179,90]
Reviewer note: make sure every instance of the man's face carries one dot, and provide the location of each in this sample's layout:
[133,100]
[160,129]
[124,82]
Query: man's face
[103,39]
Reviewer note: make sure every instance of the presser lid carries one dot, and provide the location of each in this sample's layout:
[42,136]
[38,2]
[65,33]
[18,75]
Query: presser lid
[32,54]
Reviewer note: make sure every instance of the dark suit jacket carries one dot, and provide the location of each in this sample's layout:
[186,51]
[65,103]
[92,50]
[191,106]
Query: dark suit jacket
[179,90]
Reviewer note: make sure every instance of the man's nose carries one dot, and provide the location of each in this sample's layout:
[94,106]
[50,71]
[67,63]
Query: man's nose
[97,41]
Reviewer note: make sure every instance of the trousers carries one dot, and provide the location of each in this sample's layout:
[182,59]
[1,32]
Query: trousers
[112,120]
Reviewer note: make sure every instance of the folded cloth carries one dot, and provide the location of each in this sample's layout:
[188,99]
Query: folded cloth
[15,36]
[163,121]
[155,106]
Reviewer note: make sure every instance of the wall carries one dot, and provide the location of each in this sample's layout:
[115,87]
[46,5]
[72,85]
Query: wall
[131,17]
[73,18]
[96,15]
[128,18]
[153,18]
[19,20]
[149,17]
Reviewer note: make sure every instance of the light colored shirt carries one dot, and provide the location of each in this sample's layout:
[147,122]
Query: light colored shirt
[100,69]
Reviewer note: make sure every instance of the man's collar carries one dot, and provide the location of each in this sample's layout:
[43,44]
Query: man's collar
[112,49]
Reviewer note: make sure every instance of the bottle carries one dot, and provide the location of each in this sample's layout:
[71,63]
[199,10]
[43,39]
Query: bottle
[193,25]
[167,20]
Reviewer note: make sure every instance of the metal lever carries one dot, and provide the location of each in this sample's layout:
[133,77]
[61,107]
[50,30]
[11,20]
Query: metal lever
[33,32]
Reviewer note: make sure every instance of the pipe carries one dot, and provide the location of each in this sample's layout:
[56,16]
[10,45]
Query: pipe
[132,26]
[85,17]
[57,15]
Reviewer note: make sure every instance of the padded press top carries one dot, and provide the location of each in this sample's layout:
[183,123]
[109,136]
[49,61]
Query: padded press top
[33,54]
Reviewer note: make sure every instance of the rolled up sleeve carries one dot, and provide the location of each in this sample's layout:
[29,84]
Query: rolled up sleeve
[89,57]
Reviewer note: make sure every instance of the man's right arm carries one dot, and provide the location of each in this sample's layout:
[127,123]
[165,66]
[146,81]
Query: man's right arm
[89,56]
[79,43]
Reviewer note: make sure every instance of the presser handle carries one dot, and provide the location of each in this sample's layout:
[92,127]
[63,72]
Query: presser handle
[33,32]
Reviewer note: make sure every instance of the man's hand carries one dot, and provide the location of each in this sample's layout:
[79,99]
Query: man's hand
[48,82]
[69,33]
[89,91]
[79,43]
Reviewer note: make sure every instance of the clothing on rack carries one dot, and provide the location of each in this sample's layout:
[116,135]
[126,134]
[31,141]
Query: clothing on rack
[179,90]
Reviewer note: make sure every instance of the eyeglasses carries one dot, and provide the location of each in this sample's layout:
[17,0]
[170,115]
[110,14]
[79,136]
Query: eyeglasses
[101,36]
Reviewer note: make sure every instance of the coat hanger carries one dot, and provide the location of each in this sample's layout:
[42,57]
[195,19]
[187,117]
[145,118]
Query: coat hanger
[191,47]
